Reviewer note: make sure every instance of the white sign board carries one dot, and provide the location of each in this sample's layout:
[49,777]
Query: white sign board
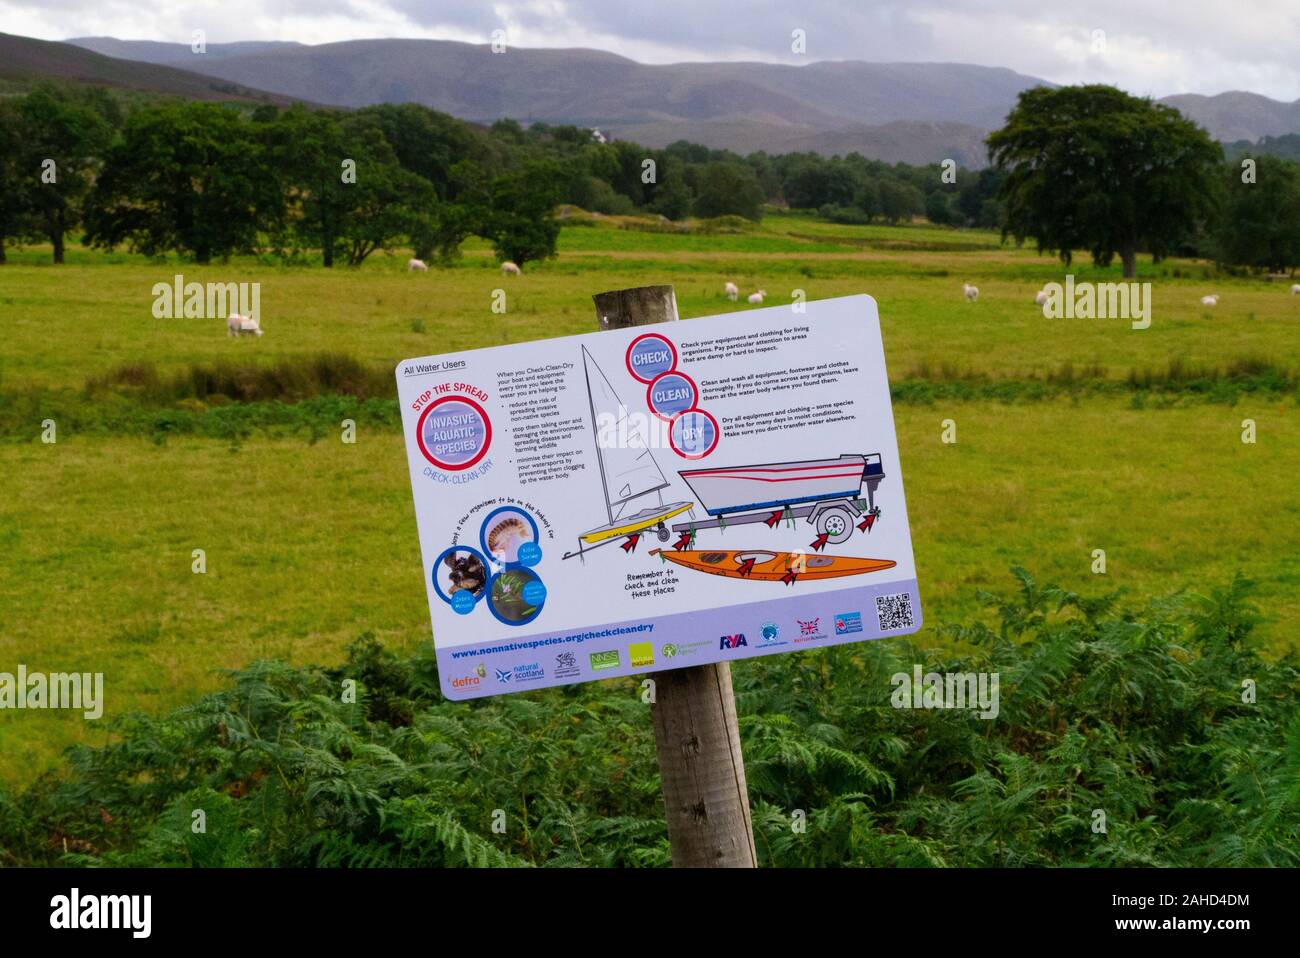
[658,497]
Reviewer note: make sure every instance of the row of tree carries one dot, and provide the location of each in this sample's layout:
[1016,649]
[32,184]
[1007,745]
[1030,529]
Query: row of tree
[209,180]
[1088,168]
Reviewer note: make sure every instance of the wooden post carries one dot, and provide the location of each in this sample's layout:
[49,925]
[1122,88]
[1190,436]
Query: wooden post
[694,712]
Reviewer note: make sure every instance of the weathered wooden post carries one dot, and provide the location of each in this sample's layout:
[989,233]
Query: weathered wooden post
[694,710]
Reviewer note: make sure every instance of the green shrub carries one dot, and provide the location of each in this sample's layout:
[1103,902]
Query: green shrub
[1136,712]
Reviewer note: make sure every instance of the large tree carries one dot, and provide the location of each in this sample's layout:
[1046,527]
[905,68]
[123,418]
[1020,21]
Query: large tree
[726,188]
[61,138]
[1091,167]
[520,221]
[189,177]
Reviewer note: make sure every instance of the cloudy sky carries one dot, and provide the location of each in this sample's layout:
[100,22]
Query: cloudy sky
[1188,46]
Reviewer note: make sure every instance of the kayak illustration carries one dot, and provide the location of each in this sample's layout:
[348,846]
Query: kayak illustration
[770,566]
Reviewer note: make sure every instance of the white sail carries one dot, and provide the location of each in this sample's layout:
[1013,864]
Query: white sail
[626,466]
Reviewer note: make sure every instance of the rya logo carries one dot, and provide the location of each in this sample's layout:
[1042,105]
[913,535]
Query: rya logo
[732,641]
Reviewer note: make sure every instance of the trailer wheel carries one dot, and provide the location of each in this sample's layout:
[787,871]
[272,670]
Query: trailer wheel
[836,525]
[662,532]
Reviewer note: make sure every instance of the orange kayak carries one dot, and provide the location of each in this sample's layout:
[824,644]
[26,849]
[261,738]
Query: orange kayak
[772,566]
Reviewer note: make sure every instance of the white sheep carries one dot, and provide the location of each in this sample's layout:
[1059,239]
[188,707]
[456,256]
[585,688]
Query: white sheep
[1295,290]
[971,293]
[757,298]
[732,291]
[237,325]
[1210,300]
[1041,298]
[413,264]
[509,269]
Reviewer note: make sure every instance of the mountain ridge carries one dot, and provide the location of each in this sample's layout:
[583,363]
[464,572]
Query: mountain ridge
[911,112]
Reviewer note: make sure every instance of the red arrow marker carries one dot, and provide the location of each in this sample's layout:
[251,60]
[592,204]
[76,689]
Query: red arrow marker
[819,543]
[746,567]
[773,519]
[866,524]
[683,542]
[631,542]
[789,578]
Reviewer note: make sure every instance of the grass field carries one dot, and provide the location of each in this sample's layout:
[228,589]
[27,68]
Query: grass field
[310,542]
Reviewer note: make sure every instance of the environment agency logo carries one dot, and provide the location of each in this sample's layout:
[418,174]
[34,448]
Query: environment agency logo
[669,650]
[604,660]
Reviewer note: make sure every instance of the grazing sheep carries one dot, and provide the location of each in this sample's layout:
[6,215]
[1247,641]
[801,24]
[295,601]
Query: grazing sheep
[1041,297]
[732,291]
[757,298]
[1295,290]
[414,264]
[509,269]
[237,325]
[1210,300]
[971,293]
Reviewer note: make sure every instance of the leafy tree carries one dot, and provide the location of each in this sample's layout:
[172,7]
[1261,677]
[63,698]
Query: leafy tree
[424,141]
[188,177]
[520,221]
[673,197]
[726,188]
[12,196]
[816,182]
[308,150]
[900,201]
[58,137]
[1259,223]
[867,198]
[937,208]
[385,205]
[1091,167]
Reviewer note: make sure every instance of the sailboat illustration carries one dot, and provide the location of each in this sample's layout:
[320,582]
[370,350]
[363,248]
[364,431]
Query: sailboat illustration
[628,472]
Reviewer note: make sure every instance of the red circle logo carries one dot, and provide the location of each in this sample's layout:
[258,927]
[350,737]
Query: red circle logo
[650,355]
[461,440]
[701,441]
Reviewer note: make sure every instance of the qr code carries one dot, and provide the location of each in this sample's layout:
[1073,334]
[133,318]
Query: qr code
[894,611]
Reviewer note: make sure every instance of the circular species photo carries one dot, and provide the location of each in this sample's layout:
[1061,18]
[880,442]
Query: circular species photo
[460,570]
[505,531]
[516,595]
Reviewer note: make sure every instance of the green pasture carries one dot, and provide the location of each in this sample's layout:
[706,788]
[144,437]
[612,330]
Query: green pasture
[310,541]
[64,324]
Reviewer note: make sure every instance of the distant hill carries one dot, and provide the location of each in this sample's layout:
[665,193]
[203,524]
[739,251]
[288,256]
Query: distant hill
[1287,147]
[24,60]
[1236,115]
[914,112]
[172,54]
[901,141]
[918,112]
